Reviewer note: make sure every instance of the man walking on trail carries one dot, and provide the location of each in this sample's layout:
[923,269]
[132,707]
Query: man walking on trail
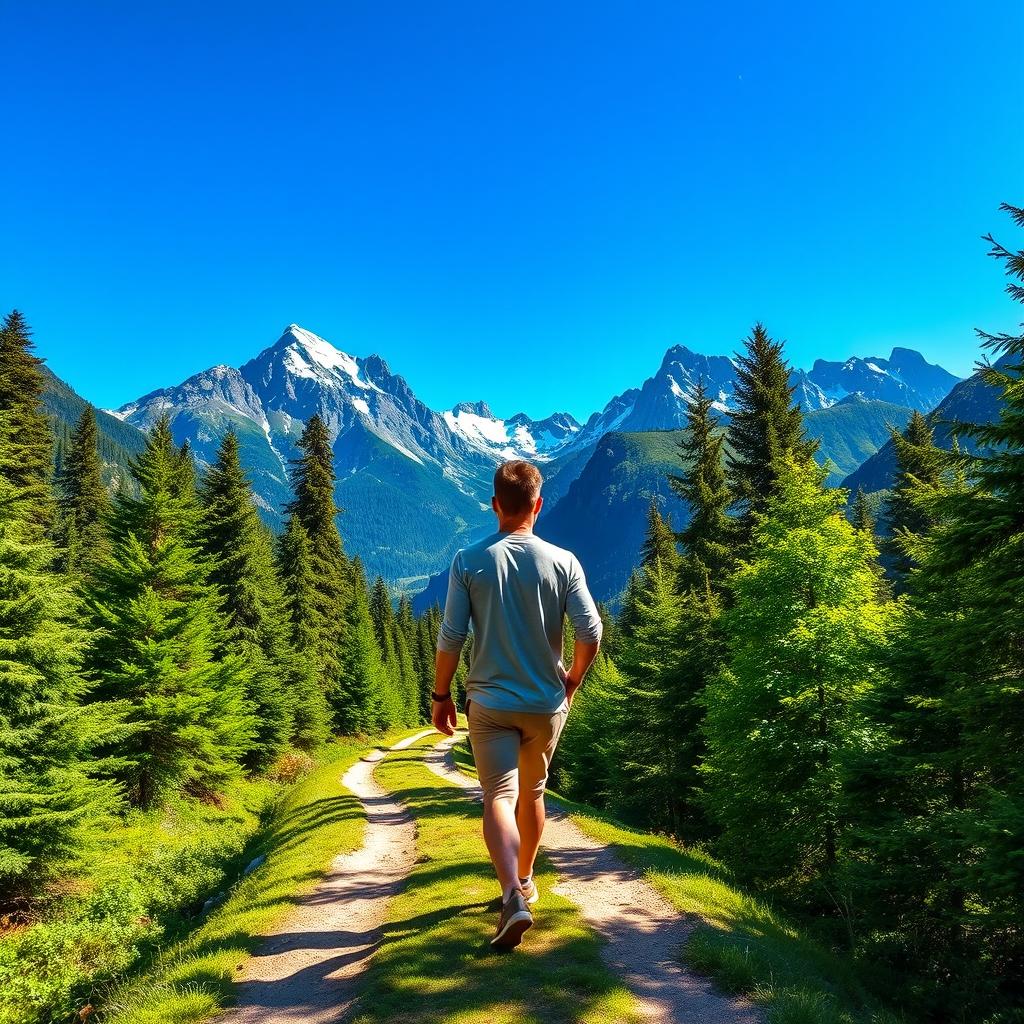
[516,589]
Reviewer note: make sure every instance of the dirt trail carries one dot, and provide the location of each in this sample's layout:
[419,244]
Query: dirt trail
[307,971]
[643,930]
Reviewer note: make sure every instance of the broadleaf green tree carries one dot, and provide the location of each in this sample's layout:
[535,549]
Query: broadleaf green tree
[804,635]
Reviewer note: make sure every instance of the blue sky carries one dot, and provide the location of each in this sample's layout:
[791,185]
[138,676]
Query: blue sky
[524,203]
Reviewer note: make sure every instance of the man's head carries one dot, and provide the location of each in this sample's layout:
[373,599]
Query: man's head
[517,492]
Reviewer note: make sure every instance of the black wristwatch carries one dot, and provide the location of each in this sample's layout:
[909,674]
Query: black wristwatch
[440,697]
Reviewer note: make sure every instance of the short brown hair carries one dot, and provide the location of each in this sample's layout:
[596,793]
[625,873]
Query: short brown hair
[516,486]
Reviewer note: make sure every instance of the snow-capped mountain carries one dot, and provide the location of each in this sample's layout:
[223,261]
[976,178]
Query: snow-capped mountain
[416,482]
[514,438]
[381,432]
[905,378]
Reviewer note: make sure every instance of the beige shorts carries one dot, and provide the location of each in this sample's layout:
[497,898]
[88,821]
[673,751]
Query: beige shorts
[512,749]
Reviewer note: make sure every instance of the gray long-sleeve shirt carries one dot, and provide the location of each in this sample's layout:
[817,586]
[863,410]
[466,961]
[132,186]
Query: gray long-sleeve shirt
[516,588]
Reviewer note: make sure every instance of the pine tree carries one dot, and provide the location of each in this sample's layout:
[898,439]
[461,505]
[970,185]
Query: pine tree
[918,467]
[404,643]
[26,460]
[48,795]
[659,716]
[586,763]
[383,620]
[236,543]
[945,875]
[609,630]
[860,515]
[660,541]
[708,539]
[311,713]
[396,654]
[159,628]
[407,627]
[765,428]
[371,702]
[83,501]
[424,661]
[804,637]
[315,510]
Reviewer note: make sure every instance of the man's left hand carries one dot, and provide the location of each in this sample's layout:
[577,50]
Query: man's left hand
[443,716]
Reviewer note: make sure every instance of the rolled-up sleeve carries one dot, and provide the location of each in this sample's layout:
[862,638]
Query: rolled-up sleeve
[455,624]
[580,606]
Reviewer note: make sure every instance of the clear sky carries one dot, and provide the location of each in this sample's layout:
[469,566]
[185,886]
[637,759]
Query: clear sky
[526,203]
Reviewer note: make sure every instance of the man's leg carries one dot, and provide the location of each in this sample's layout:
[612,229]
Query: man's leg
[502,839]
[530,820]
[540,737]
[496,752]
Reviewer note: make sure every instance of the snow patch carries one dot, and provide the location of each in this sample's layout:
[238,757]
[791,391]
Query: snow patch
[477,427]
[321,355]
[360,404]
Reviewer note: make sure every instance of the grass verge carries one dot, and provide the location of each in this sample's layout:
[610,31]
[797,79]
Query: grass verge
[741,943]
[191,979]
[435,963]
[137,883]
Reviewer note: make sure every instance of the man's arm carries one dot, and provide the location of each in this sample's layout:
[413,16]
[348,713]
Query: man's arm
[450,638]
[583,655]
[582,611]
[442,713]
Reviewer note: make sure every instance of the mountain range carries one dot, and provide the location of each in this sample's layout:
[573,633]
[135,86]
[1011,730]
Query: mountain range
[414,483]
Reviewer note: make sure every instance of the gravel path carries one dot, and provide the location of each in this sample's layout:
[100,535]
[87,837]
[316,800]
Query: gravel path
[307,971]
[643,930]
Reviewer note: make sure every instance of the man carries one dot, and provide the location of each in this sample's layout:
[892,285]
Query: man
[516,589]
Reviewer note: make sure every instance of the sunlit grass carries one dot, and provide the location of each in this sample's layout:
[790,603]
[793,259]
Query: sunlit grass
[740,941]
[436,963]
[193,978]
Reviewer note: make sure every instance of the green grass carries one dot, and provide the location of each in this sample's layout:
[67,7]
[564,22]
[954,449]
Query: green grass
[435,963]
[137,881]
[191,979]
[741,943]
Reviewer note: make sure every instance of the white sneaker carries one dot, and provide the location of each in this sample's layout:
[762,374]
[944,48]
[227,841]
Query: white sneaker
[530,893]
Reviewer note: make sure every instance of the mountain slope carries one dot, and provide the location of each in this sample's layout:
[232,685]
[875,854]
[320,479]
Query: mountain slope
[118,442]
[603,517]
[413,500]
[971,401]
[905,378]
[851,431]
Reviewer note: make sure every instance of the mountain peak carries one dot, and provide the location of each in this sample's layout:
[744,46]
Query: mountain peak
[686,354]
[480,408]
[305,354]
